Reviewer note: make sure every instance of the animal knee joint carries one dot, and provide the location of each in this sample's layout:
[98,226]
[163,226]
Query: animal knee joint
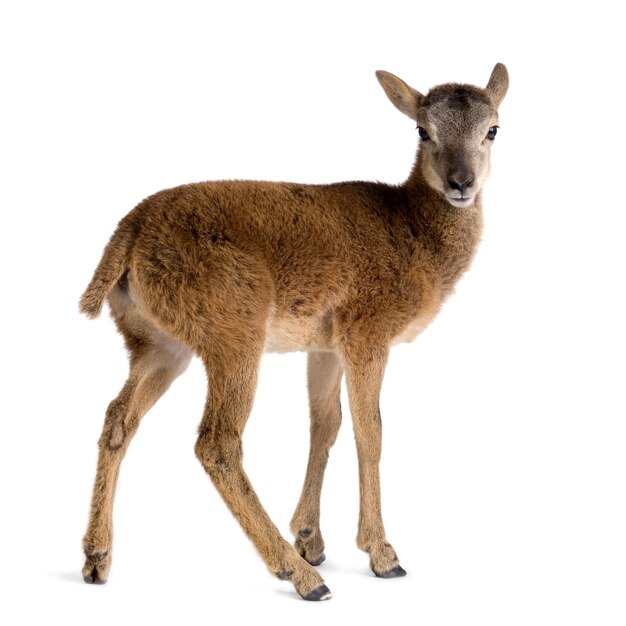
[217,459]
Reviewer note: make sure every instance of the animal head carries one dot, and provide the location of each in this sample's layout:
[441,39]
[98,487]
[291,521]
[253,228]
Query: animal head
[457,125]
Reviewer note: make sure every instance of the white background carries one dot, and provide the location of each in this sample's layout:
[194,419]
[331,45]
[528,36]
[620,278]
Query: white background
[503,459]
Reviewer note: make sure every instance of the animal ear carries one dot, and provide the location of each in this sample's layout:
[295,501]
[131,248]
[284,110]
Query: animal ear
[498,84]
[405,98]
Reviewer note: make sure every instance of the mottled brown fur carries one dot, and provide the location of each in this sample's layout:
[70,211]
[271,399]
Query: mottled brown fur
[228,270]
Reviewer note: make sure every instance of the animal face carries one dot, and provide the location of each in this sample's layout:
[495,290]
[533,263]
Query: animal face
[457,125]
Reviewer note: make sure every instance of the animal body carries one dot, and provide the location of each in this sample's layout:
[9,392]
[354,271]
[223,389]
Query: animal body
[228,270]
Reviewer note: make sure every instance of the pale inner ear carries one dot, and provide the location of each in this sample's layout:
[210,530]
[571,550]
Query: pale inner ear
[404,97]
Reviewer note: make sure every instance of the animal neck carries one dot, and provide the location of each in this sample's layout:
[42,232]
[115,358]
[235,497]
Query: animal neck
[449,235]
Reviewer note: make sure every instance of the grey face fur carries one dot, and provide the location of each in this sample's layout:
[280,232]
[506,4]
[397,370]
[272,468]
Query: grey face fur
[457,125]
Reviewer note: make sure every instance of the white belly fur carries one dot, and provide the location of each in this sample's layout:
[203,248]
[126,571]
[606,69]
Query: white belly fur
[291,333]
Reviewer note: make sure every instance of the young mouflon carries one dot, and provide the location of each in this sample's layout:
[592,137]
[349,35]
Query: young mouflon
[227,270]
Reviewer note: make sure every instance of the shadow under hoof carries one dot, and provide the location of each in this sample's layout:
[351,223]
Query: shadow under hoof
[319,593]
[394,572]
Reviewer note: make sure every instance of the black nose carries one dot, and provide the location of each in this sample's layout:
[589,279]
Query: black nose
[460,183]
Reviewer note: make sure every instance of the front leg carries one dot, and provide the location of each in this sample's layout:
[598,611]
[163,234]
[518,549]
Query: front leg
[364,375]
[232,381]
[324,374]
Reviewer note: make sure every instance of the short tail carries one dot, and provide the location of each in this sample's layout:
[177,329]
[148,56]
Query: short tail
[113,264]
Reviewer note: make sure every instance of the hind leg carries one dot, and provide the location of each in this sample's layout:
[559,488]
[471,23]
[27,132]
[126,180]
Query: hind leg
[155,362]
[324,373]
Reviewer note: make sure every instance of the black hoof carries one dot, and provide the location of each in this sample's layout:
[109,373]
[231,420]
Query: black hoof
[394,572]
[93,579]
[319,593]
[318,561]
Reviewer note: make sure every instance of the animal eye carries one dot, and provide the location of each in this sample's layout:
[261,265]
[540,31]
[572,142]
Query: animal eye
[493,131]
[423,133]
